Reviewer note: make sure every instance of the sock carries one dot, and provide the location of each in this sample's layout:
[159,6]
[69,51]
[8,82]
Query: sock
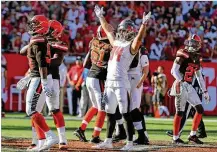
[196,121]
[146,134]
[39,121]
[59,119]
[61,133]
[89,115]
[175,137]
[34,135]
[176,125]
[110,125]
[192,133]
[41,143]
[130,127]
[143,122]
[99,123]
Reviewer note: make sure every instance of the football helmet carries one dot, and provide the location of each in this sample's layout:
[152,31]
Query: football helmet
[55,28]
[126,30]
[101,35]
[39,24]
[193,43]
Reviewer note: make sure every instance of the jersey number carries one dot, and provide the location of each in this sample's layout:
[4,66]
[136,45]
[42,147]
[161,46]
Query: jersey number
[97,58]
[116,51]
[189,73]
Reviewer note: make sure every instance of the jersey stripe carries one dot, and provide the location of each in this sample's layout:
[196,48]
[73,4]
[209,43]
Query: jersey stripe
[64,48]
[37,40]
[183,54]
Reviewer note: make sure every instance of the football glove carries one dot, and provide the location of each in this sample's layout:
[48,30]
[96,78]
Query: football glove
[146,18]
[22,84]
[207,97]
[98,11]
[47,90]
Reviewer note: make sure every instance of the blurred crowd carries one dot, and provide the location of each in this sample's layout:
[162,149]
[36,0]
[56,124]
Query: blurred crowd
[170,26]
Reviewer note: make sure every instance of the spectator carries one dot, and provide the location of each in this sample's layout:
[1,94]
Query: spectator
[206,50]
[4,95]
[178,16]
[25,39]
[73,77]
[63,76]
[79,44]
[212,35]
[156,50]
[159,83]
[16,43]
[186,6]
[214,53]
[85,102]
[72,13]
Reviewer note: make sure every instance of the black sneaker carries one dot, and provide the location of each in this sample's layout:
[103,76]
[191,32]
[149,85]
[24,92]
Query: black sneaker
[140,141]
[178,141]
[119,137]
[80,134]
[169,133]
[95,140]
[202,135]
[194,139]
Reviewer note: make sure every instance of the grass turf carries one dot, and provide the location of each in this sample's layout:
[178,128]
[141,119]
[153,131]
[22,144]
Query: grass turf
[16,125]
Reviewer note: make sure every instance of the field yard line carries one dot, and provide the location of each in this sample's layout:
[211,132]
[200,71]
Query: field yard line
[146,118]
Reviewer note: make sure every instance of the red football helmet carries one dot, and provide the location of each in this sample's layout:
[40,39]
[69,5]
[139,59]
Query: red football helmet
[101,35]
[39,24]
[194,43]
[56,28]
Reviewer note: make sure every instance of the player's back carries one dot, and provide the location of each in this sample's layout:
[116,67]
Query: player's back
[119,62]
[36,55]
[100,53]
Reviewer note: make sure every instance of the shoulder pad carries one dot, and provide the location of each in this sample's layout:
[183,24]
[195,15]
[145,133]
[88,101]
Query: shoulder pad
[37,39]
[182,53]
[60,46]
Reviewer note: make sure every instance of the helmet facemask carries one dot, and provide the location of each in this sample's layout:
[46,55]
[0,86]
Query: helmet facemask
[193,45]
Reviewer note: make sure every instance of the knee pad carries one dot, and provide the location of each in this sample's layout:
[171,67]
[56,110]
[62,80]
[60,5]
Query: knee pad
[135,114]
[199,109]
[180,113]
[55,111]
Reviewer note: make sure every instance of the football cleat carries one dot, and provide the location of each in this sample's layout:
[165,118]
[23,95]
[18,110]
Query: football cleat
[95,140]
[80,134]
[194,139]
[178,141]
[128,146]
[32,147]
[202,135]
[119,137]
[50,141]
[103,145]
[63,146]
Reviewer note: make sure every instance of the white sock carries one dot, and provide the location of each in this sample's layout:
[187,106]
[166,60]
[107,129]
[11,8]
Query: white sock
[192,133]
[120,121]
[34,136]
[41,143]
[175,137]
[61,134]
[48,133]
[108,140]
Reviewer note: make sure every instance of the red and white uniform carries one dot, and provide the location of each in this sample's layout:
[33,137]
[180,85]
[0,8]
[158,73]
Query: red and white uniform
[117,86]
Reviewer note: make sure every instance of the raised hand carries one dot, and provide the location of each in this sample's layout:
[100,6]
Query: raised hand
[146,17]
[98,11]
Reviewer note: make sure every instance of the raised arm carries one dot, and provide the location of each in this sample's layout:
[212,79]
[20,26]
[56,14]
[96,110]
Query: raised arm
[141,34]
[109,30]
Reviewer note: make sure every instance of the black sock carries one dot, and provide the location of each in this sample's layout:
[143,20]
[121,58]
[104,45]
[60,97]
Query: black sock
[143,122]
[129,126]
[110,125]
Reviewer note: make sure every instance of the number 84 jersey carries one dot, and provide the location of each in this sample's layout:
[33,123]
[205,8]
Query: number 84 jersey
[190,64]
[119,63]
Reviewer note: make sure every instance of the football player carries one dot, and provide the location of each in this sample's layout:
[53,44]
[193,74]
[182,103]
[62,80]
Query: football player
[137,73]
[56,50]
[126,45]
[185,67]
[36,54]
[97,61]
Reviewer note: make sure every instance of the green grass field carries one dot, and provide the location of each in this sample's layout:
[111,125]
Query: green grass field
[16,125]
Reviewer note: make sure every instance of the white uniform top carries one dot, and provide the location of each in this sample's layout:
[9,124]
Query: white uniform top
[143,61]
[118,65]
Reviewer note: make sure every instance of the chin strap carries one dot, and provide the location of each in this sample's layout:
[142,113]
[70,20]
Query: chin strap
[175,72]
[201,81]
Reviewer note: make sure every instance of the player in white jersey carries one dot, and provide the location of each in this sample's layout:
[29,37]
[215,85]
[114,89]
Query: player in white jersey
[125,44]
[137,73]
